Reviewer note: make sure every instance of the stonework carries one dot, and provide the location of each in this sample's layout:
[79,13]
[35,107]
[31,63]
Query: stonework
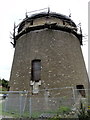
[62,63]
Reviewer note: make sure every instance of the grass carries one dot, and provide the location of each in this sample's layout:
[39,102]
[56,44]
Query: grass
[0,89]
[0,108]
[64,110]
[56,114]
[36,114]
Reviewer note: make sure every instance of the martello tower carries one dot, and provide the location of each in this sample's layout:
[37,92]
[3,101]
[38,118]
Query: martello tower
[47,54]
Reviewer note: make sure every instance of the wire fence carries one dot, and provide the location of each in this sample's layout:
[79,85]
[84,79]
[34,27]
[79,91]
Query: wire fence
[47,103]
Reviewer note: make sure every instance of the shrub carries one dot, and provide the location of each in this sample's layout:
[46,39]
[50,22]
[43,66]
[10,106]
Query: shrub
[64,110]
[83,113]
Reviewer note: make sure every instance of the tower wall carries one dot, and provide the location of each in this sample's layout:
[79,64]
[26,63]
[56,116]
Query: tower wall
[62,63]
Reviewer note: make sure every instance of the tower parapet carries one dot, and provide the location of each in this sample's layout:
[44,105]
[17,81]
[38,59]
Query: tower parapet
[50,21]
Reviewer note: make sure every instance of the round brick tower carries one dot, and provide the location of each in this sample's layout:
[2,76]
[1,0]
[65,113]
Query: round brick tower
[47,54]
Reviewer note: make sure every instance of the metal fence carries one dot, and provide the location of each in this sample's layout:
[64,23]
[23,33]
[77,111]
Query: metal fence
[47,103]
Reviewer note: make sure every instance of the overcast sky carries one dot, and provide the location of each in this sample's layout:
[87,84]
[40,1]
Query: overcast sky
[14,11]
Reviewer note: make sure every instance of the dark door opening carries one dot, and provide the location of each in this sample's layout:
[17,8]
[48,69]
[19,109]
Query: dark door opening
[81,90]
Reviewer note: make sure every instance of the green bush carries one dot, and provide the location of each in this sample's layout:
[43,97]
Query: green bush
[64,110]
[83,113]
[5,85]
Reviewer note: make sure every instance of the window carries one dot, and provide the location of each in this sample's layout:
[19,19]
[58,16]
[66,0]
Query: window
[36,70]
[81,90]
[31,23]
[63,22]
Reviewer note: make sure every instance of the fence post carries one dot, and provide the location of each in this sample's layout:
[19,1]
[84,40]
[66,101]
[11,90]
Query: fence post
[73,94]
[20,104]
[30,107]
[5,105]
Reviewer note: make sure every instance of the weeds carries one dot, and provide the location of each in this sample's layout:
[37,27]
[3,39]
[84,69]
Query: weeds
[83,113]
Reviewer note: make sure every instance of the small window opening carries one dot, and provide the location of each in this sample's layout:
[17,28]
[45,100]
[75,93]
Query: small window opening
[81,90]
[36,70]
[63,22]
[31,23]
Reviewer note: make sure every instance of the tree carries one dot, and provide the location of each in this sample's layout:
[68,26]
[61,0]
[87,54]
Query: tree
[4,83]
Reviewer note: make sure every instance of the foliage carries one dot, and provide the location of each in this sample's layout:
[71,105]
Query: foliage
[4,83]
[55,118]
[88,113]
[64,110]
[83,113]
